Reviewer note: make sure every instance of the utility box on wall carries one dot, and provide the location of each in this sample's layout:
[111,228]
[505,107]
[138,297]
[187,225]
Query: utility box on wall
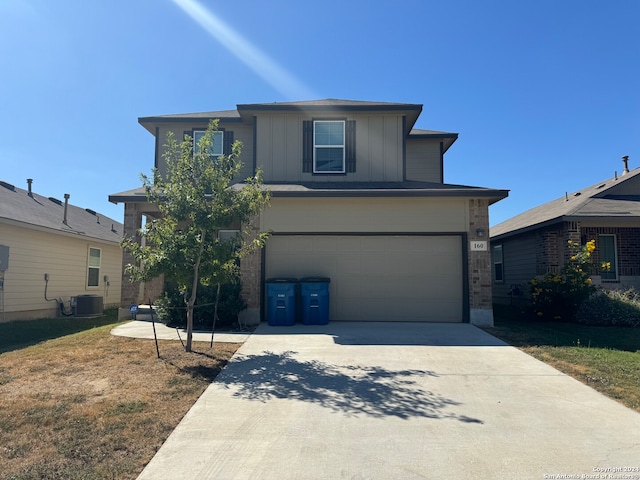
[4,258]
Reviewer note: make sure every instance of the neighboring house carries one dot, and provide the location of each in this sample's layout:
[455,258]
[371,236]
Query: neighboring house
[536,242]
[51,248]
[357,196]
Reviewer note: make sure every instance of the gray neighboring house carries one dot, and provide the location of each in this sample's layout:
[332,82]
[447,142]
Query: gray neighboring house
[358,195]
[51,248]
[536,241]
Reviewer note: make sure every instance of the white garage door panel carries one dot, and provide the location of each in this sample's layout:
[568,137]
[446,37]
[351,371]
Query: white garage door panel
[377,278]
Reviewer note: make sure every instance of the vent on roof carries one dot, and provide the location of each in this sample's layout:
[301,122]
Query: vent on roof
[600,186]
[8,186]
[577,194]
[56,201]
[92,212]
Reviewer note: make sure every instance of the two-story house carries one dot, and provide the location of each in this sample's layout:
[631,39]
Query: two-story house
[358,195]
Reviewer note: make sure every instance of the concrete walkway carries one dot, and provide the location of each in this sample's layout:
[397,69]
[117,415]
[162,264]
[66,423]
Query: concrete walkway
[144,329]
[387,401]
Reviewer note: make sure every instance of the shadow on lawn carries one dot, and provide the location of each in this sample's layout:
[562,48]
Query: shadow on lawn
[19,334]
[519,328]
[353,390]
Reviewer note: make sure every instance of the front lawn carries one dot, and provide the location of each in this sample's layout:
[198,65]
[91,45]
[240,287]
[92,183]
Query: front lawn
[605,358]
[89,405]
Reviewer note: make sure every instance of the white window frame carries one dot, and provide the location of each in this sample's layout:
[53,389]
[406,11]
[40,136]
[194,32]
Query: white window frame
[218,146]
[614,263]
[494,261]
[318,146]
[93,267]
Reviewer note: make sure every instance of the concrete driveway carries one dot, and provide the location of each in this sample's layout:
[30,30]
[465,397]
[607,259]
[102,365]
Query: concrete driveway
[388,400]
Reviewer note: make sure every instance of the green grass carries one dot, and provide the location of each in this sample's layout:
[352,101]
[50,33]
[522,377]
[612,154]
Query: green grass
[23,333]
[605,358]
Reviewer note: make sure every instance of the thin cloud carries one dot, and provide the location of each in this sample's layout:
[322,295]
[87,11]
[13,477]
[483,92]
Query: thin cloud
[259,62]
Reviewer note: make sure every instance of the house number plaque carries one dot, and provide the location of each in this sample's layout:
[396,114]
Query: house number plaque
[478,246]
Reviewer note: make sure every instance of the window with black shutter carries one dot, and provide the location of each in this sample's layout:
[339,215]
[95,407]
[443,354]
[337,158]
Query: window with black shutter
[328,146]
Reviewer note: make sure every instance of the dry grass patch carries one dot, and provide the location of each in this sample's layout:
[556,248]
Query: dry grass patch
[95,406]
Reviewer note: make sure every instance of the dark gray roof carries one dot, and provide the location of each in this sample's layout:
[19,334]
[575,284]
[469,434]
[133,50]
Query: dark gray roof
[417,132]
[330,102]
[244,112]
[382,189]
[352,189]
[38,211]
[612,198]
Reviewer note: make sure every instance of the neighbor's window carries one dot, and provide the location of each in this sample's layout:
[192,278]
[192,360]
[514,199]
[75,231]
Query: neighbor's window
[93,270]
[608,255]
[328,146]
[217,138]
[498,273]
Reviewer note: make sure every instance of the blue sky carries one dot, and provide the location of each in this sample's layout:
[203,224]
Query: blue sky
[544,95]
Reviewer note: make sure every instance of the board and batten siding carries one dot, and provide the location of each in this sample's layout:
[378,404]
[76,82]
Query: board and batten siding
[379,143]
[243,133]
[359,215]
[423,161]
[32,253]
[519,267]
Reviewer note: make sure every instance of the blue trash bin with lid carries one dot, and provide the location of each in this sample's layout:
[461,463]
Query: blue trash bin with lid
[314,300]
[281,301]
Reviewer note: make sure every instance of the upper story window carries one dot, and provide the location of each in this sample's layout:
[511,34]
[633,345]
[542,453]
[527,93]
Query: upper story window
[216,149]
[328,147]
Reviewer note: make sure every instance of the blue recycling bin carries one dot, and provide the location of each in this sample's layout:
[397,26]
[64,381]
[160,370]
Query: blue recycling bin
[281,301]
[314,300]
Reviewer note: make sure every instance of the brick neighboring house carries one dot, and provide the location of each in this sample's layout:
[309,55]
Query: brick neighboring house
[535,242]
[358,195]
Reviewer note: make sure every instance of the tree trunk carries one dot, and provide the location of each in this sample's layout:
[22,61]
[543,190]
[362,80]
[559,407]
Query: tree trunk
[190,303]
[194,291]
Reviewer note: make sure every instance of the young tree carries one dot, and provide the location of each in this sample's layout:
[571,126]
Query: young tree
[196,200]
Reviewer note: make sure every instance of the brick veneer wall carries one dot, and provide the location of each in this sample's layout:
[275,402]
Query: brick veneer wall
[130,291]
[251,274]
[135,292]
[480,298]
[628,246]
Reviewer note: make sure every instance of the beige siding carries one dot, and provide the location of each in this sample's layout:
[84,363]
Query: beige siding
[377,278]
[32,253]
[423,161]
[379,143]
[366,215]
[243,133]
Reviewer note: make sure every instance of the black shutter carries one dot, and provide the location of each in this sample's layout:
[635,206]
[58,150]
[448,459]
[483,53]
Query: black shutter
[307,146]
[350,146]
[227,141]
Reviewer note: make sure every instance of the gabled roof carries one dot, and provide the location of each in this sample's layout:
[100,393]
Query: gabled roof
[244,112]
[39,212]
[616,198]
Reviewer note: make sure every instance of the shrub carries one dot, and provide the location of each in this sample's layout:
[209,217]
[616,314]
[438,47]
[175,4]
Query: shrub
[558,296]
[172,310]
[611,308]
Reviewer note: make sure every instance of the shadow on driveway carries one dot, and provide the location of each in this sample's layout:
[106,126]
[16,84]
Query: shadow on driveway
[353,390]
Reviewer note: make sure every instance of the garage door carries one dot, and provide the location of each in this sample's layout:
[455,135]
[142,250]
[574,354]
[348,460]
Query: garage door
[377,278]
